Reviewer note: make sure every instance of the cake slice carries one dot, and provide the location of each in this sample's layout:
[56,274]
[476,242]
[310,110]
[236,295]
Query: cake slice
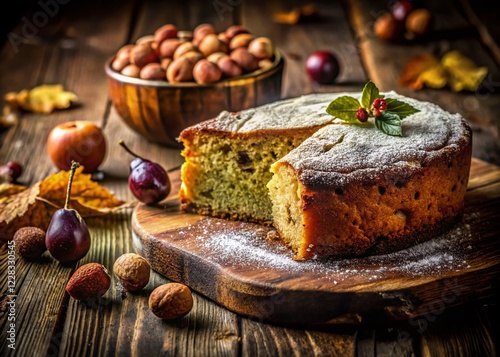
[228,159]
[330,188]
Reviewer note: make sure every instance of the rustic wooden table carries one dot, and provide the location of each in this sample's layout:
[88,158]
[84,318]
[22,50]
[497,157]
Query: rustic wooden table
[70,45]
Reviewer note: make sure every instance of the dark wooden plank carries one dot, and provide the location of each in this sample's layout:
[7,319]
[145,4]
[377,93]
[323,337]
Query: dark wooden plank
[459,333]
[384,62]
[259,339]
[331,32]
[260,286]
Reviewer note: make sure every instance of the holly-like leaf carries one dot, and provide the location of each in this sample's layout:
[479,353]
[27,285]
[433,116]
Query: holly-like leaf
[369,94]
[389,123]
[400,108]
[344,108]
[42,99]
[34,206]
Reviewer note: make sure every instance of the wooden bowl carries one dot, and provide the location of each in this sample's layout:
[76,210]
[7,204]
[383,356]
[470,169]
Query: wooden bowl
[159,111]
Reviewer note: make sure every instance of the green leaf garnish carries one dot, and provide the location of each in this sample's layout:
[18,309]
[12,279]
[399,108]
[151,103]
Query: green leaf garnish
[344,108]
[389,123]
[368,95]
[400,108]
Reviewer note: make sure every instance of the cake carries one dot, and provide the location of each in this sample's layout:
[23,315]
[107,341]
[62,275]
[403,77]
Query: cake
[329,188]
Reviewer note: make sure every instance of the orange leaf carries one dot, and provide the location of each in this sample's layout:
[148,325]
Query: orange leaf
[421,70]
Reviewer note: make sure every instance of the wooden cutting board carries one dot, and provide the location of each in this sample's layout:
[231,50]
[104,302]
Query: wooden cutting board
[235,265]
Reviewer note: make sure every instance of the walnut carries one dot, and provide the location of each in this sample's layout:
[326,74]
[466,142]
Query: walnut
[132,270]
[171,301]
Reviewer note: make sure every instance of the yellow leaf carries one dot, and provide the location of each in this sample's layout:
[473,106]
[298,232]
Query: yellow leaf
[42,99]
[421,70]
[35,205]
[434,77]
[464,73]
[87,196]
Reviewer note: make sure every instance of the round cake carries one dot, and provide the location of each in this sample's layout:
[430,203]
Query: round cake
[328,187]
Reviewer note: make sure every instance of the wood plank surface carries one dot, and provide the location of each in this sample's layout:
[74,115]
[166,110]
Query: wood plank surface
[71,49]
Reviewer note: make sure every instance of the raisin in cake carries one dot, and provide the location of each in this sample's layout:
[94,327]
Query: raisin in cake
[329,188]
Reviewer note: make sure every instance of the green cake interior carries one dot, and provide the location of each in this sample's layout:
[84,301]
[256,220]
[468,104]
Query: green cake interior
[226,174]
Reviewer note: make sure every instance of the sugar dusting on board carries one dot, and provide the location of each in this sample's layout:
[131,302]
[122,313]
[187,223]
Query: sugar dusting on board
[247,248]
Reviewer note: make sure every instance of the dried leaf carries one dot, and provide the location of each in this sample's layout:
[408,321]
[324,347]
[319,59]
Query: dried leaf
[421,70]
[296,15]
[464,73]
[42,99]
[454,70]
[34,206]
[87,197]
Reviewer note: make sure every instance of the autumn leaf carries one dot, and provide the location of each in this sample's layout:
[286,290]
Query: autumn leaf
[464,74]
[299,14]
[42,99]
[453,70]
[423,70]
[34,206]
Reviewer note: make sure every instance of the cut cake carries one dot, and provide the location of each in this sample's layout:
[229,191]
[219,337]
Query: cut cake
[329,188]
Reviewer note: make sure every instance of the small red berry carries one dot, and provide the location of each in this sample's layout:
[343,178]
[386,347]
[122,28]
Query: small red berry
[362,115]
[378,106]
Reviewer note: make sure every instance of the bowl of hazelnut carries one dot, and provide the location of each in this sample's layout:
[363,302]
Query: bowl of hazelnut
[173,79]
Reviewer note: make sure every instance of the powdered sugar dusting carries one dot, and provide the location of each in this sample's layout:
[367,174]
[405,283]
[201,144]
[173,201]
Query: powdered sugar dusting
[335,151]
[246,249]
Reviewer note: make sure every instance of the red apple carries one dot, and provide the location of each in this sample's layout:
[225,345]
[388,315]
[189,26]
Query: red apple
[80,140]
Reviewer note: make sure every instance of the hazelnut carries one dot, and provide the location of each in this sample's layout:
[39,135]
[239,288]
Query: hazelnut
[241,40]
[142,54]
[265,63]
[215,57]
[386,27]
[234,30]
[193,56]
[167,47]
[145,39]
[29,242]
[88,281]
[171,301]
[164,32]
[228,67]
[120,63]
[185,35]
[205,72]
[124,51]
[132,270]
[183,48]
[201,31]
[223,37]
[152,71]
[261,47]
[131,70]
[418,23]
[180,70]
[165,62]
[211,44]
[247,61]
